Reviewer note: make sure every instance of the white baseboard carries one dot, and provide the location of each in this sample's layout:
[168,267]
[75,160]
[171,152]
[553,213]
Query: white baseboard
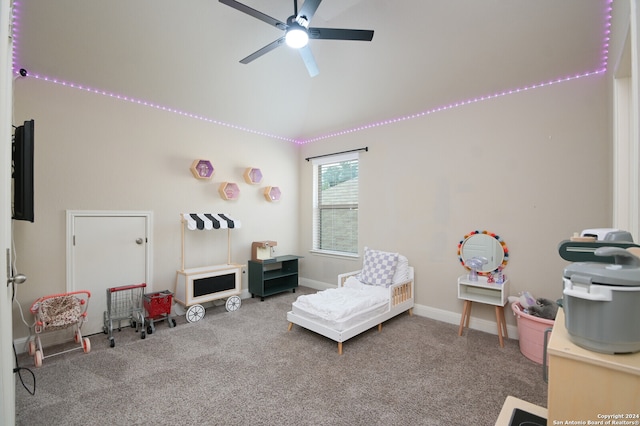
[316,285]
[454,318]
[47,339]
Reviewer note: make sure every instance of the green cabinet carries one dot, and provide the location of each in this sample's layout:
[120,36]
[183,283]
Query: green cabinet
[272,276]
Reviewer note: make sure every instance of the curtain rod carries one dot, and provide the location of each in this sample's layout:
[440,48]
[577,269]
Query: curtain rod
[366,148]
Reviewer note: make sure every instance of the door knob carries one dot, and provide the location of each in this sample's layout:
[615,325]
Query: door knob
[11,277]
[139,241]
[17,279]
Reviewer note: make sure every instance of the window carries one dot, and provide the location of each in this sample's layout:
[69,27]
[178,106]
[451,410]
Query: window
[335,209]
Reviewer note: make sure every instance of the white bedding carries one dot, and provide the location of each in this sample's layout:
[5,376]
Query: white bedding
[342,307]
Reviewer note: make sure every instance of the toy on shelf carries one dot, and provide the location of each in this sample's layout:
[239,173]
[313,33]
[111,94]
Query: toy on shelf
[202,169]
[252,176]
[474,264]
[262,250]
[229,191]
[272,193]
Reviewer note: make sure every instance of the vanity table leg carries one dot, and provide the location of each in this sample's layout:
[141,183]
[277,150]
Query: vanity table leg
[505,333]
[500,322]
[466,314]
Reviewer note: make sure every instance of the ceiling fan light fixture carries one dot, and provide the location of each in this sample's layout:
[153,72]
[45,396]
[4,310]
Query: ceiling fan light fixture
[296,36]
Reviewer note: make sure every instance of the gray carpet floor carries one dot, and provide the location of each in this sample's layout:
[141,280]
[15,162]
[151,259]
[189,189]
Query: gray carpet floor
[245,368]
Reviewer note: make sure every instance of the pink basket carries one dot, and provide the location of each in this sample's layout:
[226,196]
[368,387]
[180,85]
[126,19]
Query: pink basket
[531,330]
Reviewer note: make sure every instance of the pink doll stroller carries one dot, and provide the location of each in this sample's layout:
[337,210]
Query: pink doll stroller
[57,312]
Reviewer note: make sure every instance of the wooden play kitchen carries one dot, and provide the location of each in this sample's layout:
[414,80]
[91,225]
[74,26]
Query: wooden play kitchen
[195,286]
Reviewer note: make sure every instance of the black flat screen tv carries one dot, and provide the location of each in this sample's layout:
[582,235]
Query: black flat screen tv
[23,185]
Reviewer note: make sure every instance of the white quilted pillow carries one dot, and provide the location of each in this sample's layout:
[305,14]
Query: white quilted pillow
[378,267]
[402,270]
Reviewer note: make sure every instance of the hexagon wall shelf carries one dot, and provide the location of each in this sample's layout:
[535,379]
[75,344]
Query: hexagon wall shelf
[202,169]
[272,193]
[229,191]
[252,176]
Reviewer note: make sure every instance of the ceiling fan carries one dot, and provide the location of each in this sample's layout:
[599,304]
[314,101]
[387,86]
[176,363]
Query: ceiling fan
[297,31]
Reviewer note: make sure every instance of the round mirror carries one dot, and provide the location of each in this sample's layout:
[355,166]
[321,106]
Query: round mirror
[483,244]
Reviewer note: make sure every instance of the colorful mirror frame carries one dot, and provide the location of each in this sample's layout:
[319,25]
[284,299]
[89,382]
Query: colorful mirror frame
[495,267]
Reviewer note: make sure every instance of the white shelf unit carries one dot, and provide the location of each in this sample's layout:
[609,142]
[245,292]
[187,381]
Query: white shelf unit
[483,292]
[486,293]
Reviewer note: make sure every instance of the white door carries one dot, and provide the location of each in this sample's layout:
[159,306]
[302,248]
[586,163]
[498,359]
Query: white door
[106,250]
[7,377]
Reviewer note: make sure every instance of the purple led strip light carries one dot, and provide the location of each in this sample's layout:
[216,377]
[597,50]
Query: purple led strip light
[156,106]
[450,106]
[15,34]
[601,70]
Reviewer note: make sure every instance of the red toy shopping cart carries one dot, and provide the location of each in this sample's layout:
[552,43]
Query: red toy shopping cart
[158,307]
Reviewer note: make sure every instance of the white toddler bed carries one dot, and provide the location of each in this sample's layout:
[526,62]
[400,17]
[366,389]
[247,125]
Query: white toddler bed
[362,300]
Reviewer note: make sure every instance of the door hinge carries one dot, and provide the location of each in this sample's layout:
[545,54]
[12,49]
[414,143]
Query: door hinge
[9,266]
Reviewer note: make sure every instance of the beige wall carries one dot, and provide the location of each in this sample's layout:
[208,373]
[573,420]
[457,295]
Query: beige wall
[98,153]
[532,167]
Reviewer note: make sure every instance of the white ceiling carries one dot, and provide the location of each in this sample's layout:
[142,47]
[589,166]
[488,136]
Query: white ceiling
[183,54]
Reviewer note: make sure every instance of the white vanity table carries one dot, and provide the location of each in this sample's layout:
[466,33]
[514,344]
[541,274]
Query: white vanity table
[493,251]
[483,292]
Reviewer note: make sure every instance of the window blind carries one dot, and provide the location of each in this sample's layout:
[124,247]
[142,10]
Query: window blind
[335,221]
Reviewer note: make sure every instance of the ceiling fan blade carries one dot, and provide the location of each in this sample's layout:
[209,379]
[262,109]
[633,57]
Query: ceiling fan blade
[340,34]
[309,8]
[268,48]
[256,14]
[309,61]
